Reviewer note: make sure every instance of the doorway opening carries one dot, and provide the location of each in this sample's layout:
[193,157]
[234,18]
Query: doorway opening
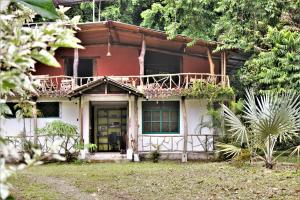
[109,126]
[85,68]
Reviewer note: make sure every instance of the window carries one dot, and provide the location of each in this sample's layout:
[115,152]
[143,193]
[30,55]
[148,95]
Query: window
[12,109]
[48,109]
[160,117]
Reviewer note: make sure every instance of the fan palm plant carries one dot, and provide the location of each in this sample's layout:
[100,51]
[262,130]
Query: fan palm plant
[266,120]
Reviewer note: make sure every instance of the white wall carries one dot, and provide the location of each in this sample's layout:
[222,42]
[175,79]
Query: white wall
[13,126]
[196,112]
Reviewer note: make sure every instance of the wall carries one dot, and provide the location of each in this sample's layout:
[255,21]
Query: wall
[14,126]
[41,69]
[195,65]
[122,62]
[196,111]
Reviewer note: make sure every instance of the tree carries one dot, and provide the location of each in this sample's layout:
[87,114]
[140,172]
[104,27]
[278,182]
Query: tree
[21,46]
[267,30]
[127,11]
[266,120]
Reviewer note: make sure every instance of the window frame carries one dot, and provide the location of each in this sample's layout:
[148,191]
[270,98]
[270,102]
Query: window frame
[161,111]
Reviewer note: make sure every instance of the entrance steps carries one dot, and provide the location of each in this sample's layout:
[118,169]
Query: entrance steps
[106,157]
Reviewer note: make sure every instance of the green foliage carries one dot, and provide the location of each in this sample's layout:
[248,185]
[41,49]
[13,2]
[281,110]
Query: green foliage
[45,8]
[267,30]
[127,11]
[22,46]
[265,121]
[277,69]
[92,147]
[210,91]
[155,155]
[59,128]
[68,133]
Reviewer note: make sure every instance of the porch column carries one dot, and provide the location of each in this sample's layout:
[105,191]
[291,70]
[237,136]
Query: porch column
[133,127]
[75,67]
[142,60]
[223,67]
[80,121]
[211,62]
[185,127]
[35,134]
[136,124]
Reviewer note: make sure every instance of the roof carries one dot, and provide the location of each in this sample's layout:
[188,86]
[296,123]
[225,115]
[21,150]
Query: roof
[105,80]
[119,33]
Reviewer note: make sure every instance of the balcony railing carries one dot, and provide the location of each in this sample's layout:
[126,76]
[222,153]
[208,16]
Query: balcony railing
[152,86]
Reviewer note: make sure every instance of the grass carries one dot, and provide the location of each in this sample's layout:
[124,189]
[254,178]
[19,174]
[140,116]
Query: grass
[164,180]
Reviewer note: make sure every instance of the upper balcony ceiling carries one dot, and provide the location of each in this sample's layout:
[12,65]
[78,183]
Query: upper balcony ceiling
[130,35]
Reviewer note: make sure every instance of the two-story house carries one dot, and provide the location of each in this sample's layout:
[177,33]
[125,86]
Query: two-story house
[123,90]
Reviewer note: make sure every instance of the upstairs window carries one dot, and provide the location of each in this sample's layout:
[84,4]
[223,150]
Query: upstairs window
[160,117]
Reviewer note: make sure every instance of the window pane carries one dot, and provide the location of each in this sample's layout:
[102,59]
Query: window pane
[165,116]
[147,116]
[174,116]
[174,127]
[155,126]
[165,127]
[156,116]
[147,126]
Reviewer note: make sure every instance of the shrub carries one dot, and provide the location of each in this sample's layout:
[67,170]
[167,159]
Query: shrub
[65,135]
[155,155]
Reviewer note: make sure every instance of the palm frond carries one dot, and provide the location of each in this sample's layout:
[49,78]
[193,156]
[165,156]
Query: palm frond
[296,151]
[238,129]
[229,150]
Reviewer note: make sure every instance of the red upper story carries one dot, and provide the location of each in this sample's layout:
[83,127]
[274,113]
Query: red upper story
[124,43]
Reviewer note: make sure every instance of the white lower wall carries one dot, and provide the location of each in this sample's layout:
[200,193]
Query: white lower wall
[69,113]
[198,124]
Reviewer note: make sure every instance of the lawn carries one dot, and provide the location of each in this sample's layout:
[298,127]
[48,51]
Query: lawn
[164,180]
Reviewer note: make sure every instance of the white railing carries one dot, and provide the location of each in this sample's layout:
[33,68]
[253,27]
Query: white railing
[150,85]
[174,143]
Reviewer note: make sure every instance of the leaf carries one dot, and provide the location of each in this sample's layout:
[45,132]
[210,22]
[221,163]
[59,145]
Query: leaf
[45,8]
[45,57]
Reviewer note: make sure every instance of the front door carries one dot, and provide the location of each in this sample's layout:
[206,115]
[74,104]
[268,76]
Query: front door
[110,129]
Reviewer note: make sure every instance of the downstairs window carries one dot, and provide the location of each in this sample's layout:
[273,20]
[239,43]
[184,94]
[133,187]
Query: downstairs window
[48,109]
[160,117]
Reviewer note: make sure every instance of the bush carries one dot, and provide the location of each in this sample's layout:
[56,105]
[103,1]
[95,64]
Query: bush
[67,137]
[154,156]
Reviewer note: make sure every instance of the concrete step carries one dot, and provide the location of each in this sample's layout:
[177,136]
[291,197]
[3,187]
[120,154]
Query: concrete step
[106,157]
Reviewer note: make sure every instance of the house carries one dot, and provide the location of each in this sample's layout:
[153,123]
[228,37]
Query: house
[123,91]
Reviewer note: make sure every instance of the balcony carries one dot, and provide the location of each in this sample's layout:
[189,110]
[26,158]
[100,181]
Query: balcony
[152,86]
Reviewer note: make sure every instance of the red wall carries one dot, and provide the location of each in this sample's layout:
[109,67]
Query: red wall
[122,62]
[41,69]
[195,65]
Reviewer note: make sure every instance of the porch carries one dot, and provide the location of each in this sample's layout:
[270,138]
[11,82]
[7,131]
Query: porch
[152,86]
